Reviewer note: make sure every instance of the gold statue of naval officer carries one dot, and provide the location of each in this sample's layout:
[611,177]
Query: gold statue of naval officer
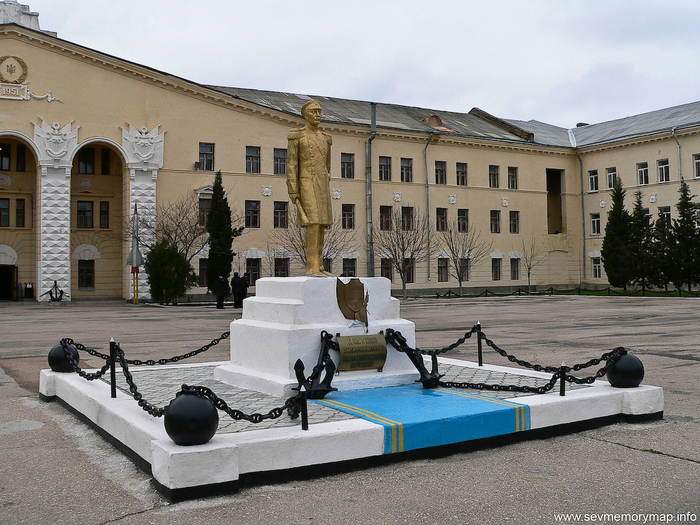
[308,182]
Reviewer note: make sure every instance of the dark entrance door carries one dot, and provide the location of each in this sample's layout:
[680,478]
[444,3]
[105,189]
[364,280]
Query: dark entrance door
[8,285]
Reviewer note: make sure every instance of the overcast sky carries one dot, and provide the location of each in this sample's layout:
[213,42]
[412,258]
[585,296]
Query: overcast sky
[558,61]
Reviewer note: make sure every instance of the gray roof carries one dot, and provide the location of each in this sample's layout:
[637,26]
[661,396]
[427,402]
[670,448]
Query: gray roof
[389,116]
[684,116]
[473,124]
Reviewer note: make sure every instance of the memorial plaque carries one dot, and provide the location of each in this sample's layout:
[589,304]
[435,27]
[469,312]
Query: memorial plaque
[362,352]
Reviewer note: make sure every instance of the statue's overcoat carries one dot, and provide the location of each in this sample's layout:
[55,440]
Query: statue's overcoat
[308,173]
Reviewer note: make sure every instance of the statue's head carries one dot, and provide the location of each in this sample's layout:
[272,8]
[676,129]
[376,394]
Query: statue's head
[311,111]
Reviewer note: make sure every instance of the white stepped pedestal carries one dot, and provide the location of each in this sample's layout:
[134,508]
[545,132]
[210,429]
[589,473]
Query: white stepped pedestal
[284,321]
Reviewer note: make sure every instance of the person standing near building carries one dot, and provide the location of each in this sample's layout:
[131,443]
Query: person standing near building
[308,183]
[239,287]
[221,292]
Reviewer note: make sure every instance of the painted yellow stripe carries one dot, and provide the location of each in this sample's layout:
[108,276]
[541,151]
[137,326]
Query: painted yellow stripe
[396,426]
[519,409]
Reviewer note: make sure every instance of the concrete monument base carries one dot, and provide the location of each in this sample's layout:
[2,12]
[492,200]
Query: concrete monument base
[284,321]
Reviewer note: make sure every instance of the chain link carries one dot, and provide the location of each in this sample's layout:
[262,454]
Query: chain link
[90,376]
[148,407]
[175,359]
[220,404]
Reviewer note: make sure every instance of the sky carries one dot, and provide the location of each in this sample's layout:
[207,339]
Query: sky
[557,61]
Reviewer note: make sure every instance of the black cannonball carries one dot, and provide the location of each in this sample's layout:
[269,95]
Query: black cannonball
[59,362]
[626,372]
[191,419]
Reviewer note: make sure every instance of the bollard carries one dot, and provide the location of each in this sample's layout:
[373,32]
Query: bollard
[562,380]
[478,343]
[58,360]
[626,372]
[190,419]
[113,367]
[304,411]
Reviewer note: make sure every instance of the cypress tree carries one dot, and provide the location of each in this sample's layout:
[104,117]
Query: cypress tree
[684,248]
[660,248]
[641,244]
[615,252]
[221,235]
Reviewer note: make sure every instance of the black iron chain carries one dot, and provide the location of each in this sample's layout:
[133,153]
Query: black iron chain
[397,340]
[90,376]
[219,403]
[507,388]
[148,407]
[175,359]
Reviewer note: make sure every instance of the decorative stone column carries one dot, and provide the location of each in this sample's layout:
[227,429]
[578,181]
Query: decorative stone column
[144,150]
[56,146]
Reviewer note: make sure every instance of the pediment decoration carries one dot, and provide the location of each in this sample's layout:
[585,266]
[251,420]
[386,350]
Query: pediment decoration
[143,148]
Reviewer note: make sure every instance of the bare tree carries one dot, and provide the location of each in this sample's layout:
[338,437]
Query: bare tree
[532,256]
[402,238]
[464,247]
[293,239]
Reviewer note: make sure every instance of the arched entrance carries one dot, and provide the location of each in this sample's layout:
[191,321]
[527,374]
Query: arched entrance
[18,175]
[97,220]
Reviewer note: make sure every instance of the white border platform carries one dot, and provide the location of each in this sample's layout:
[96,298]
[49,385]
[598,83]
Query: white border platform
[185,472]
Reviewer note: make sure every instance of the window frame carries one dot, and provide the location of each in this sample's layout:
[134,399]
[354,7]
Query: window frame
[349,267]
[252,214]
[408,219]
[493,176]
[347,216]
[595,224]
[86,216]
[347,165]
[596,268]
[496,269]
[663,169]
[515,268]
[463,220]
[462,173]
[406,169]
[104,215]
[593,181]
[384,169]
[204,209]
[386,268]
[280,214]
[611,175]
[86,161]
[86,274]
[5,157]
[281,266]
[4,213]
[440,172]
[443,269]
[206,158]
[495,221]
[440,219]
[279,161]
[20,213]
[386,217]
[252,159]
[512,177]
[514,222]
[642,173]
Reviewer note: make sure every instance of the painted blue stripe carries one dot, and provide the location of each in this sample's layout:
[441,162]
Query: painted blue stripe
[414,417]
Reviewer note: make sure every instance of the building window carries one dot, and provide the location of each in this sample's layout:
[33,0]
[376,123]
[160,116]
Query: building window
[348,217]
[387,269]
[597,271]
[252,268]
[5,157]
[105,161]
[410,265]
[440,172]
[86,275]
[495,221]
[595,223]
[495,269]
[464,268]
[85,214]
[407,218]
[5,213]
[642,173]
[328,264]
[252,159]
[665,214]
[280,217]
[385,168]
[611,175]
[86,161]
[347,165]
[252,214]
[349,267]
[204,209]
[406,170]
[514,222]
[462,220]
[696,165]
[104,215]
[593,180]
[512,178]
[443,270]
[203,272]
[514,269]
[664,170]
[441,219]
[280,161]
[21,157]
[461,171]
[281,266]
[493,176]
[19,213]
[206,156]
[385,213]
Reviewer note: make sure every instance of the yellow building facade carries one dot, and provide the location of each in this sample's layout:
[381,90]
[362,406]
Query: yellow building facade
[84,137]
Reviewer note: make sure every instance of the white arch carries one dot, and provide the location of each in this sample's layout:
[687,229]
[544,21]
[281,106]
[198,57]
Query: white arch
[93,140]
[8,256]
[24,138]
[86,252]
